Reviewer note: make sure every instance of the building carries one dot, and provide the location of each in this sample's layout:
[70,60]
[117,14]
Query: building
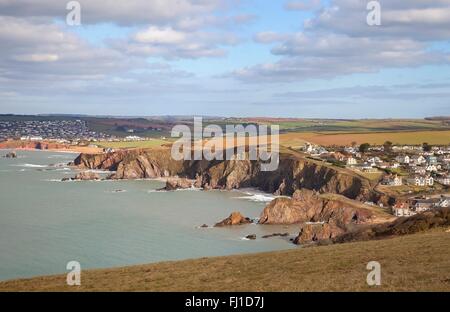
[421,181]
[431,160]
[422,205]
[418,160]
[392,181]
[402,210]
[368,168]
[444,202]
[444,180]
[351,161]
[402,159]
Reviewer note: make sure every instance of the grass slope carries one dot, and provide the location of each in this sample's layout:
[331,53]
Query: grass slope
[408,263]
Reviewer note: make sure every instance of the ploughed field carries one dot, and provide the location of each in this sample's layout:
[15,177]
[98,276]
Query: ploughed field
[296,139]
[417,262]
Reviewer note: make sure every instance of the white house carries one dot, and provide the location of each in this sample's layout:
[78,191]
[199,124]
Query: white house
[351,161]
[393,181]
[374,160]
[419,170]
[444,180]
[403,159]
[402,210]
[421,181]
[418,160]
[432,168]
[444,202]
[422,205]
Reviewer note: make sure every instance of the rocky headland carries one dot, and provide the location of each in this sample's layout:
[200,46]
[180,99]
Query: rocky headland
[293,173]
[325,201]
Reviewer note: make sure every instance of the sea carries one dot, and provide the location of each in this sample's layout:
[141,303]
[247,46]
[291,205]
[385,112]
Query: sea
[46,223]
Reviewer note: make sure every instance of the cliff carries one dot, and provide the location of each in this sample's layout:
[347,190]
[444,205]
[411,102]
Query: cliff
[32,145]
[308,206]
[422,222]
[293,173]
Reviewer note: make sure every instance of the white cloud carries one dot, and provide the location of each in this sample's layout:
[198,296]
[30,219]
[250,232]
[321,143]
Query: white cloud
[337,41]
[170,43]
[156,35]
[37,57]
[130,12]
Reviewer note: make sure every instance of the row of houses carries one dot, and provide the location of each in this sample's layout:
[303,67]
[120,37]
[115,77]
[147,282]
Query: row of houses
[410,208]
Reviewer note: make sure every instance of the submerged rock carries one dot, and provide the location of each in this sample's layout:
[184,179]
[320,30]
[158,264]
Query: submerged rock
[251,236]
[11,155]
[86,176]
[275,235]
[173,184]
[236,218]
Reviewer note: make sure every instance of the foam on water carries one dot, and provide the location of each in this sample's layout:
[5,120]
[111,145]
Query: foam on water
[30,166]
[263,198]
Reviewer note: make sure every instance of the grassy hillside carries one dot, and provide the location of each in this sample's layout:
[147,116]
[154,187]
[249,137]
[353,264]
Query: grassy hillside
[408,263]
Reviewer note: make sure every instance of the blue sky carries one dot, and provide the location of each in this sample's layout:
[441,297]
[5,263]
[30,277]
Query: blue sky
[307,58]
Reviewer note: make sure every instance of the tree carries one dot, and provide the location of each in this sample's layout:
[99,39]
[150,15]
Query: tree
[354,143]
[426,147]
[387,146]
[363,148]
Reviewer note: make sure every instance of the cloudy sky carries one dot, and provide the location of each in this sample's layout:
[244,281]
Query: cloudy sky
[311,58]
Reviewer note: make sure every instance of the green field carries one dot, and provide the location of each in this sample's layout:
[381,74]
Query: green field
[298,139]
[133,144]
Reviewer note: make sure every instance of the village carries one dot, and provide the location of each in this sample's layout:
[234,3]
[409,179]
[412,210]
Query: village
[417,176]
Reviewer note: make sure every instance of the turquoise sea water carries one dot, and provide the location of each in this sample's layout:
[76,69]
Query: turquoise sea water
[45,223]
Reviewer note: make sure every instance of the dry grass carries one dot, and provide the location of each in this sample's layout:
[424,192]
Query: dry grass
[408,263]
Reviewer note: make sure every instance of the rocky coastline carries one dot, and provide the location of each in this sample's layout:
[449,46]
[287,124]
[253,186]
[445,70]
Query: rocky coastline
[306,187]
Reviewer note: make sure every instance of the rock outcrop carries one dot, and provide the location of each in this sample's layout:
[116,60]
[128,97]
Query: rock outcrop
[437,218]
[86,176]
[236,218]
[275,235]
[173,184]
[317,232]
[11,155]
[308,206]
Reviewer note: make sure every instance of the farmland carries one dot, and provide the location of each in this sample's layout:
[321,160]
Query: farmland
[295,139]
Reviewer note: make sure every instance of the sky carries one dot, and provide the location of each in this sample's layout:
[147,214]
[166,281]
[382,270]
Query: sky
[278,58]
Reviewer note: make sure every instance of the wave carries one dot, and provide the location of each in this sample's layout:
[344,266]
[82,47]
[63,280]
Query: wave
[116,191]
[157,191]
[195,189]
[31,166]
[63,169]
[98,171]
[260,198]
